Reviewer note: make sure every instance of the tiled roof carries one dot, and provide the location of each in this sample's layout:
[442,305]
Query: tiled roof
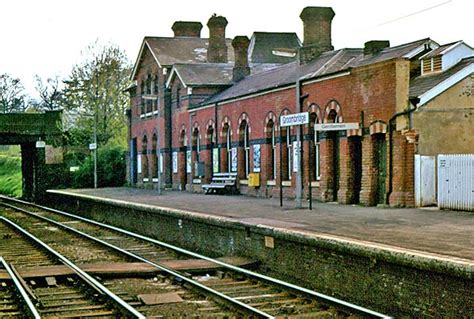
[205,73]
[263,43]
[423,84]
[388,53]
[327,63]
[174,50]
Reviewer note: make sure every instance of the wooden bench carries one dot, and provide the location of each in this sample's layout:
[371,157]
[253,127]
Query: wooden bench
[222,183]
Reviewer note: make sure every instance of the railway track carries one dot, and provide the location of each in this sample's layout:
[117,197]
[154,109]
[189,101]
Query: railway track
[242,290]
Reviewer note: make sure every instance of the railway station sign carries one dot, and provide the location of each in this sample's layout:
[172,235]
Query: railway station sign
[294,119]
[336,126]
[40,144]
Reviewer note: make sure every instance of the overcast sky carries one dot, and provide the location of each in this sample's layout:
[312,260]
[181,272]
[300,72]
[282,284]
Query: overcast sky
[45,37]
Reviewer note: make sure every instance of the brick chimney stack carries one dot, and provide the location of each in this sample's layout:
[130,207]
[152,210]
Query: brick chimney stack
[241,67]
[217,51]
[375,46]
[187,29]
[317,31]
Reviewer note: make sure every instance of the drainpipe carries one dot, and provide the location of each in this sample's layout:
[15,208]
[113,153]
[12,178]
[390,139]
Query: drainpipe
[216,142]
[415,102]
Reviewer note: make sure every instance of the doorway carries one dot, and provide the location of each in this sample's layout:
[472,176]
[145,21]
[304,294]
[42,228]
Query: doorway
[355,151]
[380,165]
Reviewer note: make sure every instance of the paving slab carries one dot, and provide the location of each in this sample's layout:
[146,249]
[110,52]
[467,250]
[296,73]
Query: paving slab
[448,234]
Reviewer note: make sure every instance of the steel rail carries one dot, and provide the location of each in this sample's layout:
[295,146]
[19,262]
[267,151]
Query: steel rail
[85,276]
[239,304]
[31,308]
[329,299]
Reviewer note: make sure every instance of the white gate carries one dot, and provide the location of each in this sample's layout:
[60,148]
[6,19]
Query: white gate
[425,180]
[456,181]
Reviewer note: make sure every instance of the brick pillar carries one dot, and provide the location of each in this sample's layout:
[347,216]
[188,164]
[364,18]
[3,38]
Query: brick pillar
[241,163]
[412,139]
[403,178]
[369,178]
[182,169]
[327,170]
[344,194]
[206,158]
[307,165]
[265,163]
[397,196]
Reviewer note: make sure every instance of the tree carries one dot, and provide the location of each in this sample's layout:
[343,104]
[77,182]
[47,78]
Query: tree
[94,94]
[12,96]
[49,92]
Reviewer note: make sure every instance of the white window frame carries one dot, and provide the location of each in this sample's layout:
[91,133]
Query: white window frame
[274,168]
[247,148]
[229,150]
[317,152]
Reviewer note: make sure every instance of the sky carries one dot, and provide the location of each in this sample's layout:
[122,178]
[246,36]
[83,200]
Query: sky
[46,37]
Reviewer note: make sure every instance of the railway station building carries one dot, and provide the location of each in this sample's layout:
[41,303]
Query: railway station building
[205,105]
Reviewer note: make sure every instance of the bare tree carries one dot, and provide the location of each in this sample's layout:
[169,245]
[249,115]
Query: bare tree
[49,92]
[12,96]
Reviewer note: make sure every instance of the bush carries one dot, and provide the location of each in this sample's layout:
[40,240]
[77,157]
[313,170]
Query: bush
[111,169]
[10,176]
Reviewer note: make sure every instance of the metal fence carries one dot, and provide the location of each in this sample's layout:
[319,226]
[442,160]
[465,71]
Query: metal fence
[456,181]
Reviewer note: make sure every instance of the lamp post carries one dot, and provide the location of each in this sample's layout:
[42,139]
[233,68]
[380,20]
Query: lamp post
[295,53]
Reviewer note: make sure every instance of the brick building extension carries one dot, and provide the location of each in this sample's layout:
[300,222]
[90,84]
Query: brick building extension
[218,102]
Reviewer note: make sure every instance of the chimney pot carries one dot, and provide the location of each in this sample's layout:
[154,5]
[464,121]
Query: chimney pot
[187,29]
[217,51]
[317,26]
[375,46]
[241,67]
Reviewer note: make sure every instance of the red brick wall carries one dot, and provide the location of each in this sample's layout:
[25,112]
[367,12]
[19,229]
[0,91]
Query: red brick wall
[365,96]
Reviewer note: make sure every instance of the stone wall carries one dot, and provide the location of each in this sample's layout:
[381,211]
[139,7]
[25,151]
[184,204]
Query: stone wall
[385,280]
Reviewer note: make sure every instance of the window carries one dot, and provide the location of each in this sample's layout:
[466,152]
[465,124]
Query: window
[247,149]
[178,94]
[273,155]
[229,150]
[317,153]
[148,84]
[156,85]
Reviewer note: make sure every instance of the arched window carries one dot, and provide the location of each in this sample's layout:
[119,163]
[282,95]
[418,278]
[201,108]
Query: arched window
[315,148]
[148,84]
[228,147]
[154,161]
[156,85]
[247,148]
[272,129]
[211,145]
[145,158]
[178,96]
[196,144]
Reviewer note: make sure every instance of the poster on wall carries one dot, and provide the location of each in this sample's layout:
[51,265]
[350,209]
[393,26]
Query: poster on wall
[188,162]
[139,163]
[295,156]
[215,160]
[256,158]
[234,159]
[175,162]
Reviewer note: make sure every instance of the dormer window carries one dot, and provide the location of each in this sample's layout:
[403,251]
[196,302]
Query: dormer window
[431,65]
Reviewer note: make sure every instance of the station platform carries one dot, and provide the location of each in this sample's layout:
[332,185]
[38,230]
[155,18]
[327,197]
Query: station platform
[428,233]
